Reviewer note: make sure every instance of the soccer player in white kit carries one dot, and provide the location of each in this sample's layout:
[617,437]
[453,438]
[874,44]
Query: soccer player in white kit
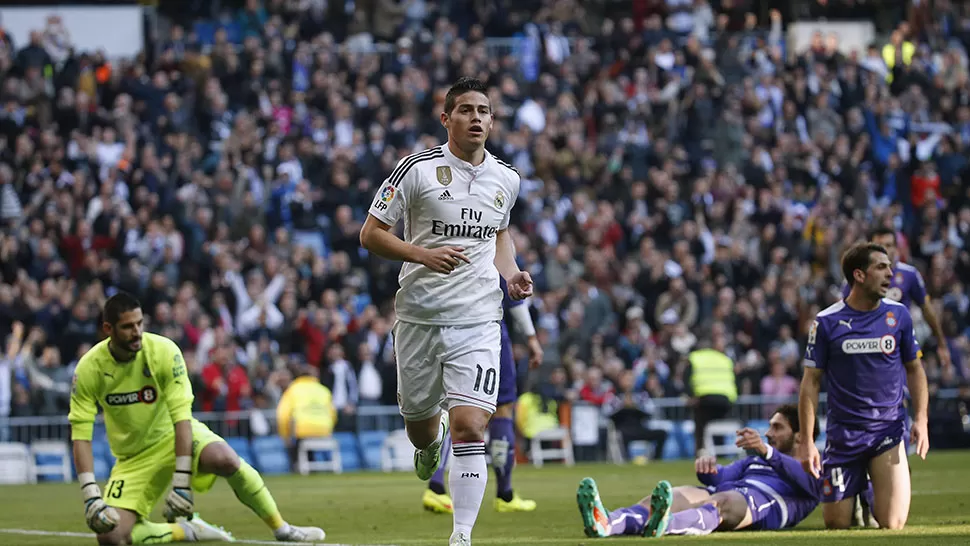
[455,200]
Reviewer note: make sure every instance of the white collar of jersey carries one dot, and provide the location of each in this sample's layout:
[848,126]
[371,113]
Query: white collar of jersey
[462,164]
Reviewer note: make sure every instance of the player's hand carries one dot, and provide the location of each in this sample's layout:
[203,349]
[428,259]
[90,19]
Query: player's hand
[535,353]
[520,286]
[179,502]
[810,458]
[943,353]
[706,464]
[100,517]
[443,259]
[750,439]
[919,437]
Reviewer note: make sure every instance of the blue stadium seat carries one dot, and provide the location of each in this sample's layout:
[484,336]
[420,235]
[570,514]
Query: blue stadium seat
[241,447]
[349,451]
[270,455]
[370,445]
[684,436]
[672,447]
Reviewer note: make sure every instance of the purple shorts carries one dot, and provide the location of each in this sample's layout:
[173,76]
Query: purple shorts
[506,372]
[848,450]
[767,512]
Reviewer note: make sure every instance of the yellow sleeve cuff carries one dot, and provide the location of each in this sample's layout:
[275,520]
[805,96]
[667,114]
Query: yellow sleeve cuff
[82,431]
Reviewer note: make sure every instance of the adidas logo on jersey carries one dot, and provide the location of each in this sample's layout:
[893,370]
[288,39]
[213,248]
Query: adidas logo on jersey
[446,196]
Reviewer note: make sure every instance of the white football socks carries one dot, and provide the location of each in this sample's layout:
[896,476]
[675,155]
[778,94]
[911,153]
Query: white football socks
[467,480]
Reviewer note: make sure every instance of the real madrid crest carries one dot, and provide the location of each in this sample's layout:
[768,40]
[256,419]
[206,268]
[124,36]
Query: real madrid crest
[444,175]
[500,200]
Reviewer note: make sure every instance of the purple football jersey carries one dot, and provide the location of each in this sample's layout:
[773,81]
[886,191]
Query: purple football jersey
[793,492]
[906,286]
[862,355]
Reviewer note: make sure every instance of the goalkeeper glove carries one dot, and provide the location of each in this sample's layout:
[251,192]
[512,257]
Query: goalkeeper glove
[100,517]
[179,501]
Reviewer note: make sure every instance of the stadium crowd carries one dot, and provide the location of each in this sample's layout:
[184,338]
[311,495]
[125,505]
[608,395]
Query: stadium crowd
[687,182]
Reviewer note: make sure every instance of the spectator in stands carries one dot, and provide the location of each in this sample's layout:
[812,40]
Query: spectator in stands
[631,410]
[305,410]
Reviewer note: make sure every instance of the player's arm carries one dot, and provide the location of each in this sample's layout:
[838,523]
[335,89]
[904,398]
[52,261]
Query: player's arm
[790,470]
[816,357]
[387,208]
[711,473]
[176,388]
[100,517]
[918,390]
[929,314]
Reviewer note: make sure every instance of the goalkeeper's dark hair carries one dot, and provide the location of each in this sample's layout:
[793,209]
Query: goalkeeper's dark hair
[790,412]
[859,256]
[881,232]
[120,303]
[464,85]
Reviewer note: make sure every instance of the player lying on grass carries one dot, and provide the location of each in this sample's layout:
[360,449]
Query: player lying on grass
[767,491]
[140,381]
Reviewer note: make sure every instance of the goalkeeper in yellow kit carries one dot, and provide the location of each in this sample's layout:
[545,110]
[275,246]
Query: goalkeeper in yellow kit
[139,380]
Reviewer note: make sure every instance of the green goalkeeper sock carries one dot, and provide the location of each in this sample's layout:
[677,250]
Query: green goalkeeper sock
[146,532]
[249,488]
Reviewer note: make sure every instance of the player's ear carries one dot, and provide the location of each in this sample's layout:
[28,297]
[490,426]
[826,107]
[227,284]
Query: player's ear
[444,119]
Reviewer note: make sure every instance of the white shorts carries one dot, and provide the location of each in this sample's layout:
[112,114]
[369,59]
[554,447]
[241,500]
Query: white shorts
[446,366]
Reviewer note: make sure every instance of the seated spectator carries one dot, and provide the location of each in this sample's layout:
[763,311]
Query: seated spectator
[305,410]
[631,410]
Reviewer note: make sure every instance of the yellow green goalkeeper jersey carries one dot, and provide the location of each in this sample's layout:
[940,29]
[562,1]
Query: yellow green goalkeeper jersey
[141,399]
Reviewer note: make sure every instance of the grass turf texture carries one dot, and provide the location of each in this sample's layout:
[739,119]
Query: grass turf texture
[385,509]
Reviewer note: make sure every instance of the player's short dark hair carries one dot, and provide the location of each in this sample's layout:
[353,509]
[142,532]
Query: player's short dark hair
[120,303]
[881,232]
[859,256]
[790,412]
[464,85]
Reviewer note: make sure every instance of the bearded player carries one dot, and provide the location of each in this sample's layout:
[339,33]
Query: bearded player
[455,201]
[501,428]
[765,491]
[140,381]
[861,345]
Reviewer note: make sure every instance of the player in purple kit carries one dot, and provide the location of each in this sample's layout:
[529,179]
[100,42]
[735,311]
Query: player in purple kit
[765,491]
[859,344]
[907,288]
[501,428]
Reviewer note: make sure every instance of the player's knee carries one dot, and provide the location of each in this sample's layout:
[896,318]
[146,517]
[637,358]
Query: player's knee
[837,521]
[468,424]
[892,522]
[114,538]
[220,459]
[732,509]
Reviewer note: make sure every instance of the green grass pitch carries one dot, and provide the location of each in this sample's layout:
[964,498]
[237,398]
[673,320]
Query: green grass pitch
[385,509]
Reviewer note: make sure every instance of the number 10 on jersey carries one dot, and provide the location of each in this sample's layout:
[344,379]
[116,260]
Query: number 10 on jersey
[488,387]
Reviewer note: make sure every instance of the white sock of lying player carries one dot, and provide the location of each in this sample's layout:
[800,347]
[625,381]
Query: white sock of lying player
[467,478]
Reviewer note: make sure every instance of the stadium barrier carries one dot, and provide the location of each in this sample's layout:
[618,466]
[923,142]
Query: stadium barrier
[372,440]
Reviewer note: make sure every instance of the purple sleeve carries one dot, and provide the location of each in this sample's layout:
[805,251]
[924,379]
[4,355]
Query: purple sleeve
[729,473]
[816,351]
[908,345]
[917,290]
[508,302]
[790,470]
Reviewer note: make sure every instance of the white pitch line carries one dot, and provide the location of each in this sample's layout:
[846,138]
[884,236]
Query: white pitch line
[35,532]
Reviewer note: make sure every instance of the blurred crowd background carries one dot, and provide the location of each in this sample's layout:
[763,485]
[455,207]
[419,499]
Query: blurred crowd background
[689,180]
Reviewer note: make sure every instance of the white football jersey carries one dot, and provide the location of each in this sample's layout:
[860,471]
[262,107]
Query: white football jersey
[446,201]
